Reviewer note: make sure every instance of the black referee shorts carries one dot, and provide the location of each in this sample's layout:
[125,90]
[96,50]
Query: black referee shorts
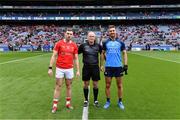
[90,72]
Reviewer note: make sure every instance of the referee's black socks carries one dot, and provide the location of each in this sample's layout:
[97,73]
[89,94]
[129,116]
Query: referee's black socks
[95,92]
[86,91]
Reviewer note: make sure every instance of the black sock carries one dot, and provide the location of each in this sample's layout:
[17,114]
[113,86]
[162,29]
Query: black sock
[95,92]
[108,99]
[86,90]
[120,99]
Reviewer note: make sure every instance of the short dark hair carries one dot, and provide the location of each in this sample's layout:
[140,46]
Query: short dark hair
[111,26]
[69,29]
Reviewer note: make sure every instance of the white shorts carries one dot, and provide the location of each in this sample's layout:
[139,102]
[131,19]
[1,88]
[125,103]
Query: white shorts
[64,73]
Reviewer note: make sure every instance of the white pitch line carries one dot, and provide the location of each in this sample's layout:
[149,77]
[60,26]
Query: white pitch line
[156,58]
[11,61]
[85,109]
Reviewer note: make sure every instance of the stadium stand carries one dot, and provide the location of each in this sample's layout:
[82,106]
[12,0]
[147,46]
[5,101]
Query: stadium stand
[33,25]
[39,36]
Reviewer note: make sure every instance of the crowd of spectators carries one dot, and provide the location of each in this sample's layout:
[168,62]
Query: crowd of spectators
[40,35]
[34,35]
[148,34]
[151,34]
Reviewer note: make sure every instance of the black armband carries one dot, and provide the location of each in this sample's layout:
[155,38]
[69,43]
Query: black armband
[50,67]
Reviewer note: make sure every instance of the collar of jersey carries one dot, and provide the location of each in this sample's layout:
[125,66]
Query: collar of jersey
[114,39]
[91,45]
[67,42]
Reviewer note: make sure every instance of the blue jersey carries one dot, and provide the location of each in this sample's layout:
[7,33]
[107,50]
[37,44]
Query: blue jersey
[113,50]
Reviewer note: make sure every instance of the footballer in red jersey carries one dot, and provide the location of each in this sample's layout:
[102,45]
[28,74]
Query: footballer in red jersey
[64,53]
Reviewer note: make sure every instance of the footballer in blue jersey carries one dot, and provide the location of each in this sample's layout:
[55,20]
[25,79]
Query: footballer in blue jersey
[114,52]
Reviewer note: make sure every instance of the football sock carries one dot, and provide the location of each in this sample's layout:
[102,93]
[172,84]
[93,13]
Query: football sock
[86,90]
[95,92]
[55,102]
[108,99]
[120,99]
[68,99]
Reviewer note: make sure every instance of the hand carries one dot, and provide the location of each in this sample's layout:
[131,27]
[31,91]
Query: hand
[77,73]
[125,68]
[102,68]
[50,72]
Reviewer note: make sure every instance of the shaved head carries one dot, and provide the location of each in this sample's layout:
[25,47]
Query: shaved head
[91,34]
[91,37]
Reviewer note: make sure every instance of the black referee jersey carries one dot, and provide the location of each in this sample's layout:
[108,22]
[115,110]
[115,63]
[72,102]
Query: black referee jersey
[90,53]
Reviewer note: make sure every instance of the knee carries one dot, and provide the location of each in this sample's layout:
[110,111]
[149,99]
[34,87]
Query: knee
[108,86]
[58,87]
[68,86]
[95,85]
[86,84]
[120,86]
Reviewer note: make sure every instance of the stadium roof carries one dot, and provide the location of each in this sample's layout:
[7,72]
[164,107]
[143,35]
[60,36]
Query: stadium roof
[88,2]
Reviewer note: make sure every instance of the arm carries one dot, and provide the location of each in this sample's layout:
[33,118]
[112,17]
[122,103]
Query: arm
[102,58]
[77,64]
[53,58]
[125,61]
[125,57]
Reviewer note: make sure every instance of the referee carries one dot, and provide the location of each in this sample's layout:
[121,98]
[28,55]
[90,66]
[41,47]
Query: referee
[90,51]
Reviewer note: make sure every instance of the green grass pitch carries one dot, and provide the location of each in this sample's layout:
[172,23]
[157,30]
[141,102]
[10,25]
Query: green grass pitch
[151,88]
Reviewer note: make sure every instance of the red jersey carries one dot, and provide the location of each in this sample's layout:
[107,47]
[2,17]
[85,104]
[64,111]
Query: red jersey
[66,52]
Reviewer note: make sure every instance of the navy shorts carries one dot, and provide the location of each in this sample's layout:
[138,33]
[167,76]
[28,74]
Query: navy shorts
[90,72]
[113,71]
